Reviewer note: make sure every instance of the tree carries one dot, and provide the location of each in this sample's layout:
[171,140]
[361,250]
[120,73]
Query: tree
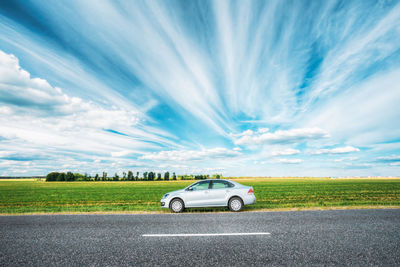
[104,177]
[86,177]
[145,176]
[200,177]
[130,176]
[52,176]
[70,177]
[166,176]
[217,176]
[124,176]
[151,176]
[116,177]
[79,177]
[137,176]
[96,177]
[61,176]
[158,176]
[173,176]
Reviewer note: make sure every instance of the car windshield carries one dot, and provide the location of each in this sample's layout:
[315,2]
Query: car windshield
[201,185]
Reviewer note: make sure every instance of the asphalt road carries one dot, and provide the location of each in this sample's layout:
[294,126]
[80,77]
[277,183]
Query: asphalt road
[347,237]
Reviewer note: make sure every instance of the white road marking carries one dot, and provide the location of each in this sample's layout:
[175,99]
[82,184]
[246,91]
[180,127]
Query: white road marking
[210,234]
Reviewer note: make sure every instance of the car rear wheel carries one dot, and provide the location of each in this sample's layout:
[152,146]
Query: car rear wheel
[176,205]
[235,204]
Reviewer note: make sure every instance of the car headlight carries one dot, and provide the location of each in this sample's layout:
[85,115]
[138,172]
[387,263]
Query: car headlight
[165,195]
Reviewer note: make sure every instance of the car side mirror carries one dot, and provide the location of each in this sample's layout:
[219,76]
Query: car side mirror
[189,189]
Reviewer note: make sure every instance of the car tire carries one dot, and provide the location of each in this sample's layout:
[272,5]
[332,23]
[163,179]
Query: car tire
[235,204]
[177,205]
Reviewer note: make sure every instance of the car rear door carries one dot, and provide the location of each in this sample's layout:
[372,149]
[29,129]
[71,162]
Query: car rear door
[219,193]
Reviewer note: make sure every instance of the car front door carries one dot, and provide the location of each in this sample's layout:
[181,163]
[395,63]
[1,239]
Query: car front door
[197,194]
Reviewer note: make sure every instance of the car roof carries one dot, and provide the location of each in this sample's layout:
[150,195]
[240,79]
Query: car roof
[217,180]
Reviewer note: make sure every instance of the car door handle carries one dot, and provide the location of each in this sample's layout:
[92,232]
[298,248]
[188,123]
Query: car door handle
[206,192]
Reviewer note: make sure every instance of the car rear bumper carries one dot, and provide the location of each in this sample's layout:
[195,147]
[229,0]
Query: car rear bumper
[249,199]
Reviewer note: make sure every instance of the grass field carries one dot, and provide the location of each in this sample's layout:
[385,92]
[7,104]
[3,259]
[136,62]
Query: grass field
[32,196]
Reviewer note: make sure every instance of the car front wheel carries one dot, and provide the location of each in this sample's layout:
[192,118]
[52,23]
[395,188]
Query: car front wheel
[176,205]
[235,204]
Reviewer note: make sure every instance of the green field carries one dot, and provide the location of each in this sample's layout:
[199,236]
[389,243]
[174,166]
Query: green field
[32,196]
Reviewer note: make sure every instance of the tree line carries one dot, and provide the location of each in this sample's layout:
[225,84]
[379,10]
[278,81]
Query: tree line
[126,176]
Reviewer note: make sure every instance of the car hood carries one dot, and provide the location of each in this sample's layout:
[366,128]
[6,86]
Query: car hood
[176,192]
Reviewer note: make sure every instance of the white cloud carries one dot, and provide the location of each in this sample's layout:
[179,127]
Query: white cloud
[290,161]
[285,152]
[337,150]
[42,117]
[392,157]
[282,136]
[121,153]
[5,111]
[345,159]
[29,97]
[389,159]
[187,155]
[249,132]
[173,166]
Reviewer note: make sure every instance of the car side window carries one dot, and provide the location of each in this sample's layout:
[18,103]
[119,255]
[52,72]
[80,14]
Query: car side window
[201,185]
[221,184]
[230,184]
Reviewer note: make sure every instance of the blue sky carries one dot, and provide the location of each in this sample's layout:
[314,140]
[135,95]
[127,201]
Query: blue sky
[260,88]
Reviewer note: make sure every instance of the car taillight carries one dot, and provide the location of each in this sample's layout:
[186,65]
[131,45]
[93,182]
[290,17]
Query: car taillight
[251,191]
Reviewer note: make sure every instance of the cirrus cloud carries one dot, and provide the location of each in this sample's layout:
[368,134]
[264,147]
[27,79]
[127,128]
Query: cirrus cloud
[187,155]
[393,159]
[337,150]
[41,117]
[290,161]
[281,136]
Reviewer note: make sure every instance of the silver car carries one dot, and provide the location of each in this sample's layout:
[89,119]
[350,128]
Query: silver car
[210,193]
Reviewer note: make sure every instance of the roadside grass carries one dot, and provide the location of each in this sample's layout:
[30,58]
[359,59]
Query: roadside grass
[33,196]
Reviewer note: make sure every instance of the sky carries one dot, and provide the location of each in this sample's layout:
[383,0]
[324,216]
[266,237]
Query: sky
[241,88]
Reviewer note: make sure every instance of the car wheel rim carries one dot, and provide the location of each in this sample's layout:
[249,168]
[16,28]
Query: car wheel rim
[236,204]
[177,206]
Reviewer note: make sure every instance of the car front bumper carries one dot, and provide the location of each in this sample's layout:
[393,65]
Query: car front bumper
[165,203]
